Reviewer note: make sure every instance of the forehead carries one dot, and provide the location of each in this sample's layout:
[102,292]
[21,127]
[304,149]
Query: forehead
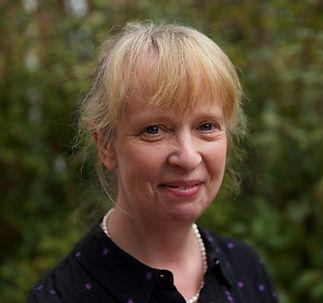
[162,89]
[138,112]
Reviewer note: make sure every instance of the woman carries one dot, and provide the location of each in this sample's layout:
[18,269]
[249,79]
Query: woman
[163,107]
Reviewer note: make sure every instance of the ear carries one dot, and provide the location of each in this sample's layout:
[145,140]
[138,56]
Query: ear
[106,151]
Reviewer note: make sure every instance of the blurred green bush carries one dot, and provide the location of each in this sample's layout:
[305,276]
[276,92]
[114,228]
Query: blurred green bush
[47,54]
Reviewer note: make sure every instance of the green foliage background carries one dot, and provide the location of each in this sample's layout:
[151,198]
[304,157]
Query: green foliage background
[47,54]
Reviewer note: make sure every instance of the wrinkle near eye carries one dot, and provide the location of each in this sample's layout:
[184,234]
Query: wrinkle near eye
[130,141]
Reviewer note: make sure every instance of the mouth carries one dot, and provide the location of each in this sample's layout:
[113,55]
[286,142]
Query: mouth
[182,189]
[182,183]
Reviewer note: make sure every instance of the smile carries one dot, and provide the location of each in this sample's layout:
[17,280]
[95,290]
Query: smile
[188,190]
[183,187]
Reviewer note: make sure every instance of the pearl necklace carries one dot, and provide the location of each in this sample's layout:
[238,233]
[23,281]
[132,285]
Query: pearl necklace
[198,237]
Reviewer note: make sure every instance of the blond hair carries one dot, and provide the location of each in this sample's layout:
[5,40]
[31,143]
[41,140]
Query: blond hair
[185,61]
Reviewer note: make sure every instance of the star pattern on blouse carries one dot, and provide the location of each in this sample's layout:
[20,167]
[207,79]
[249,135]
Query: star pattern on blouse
[105,251]
[230,245]
[52,292]
[228,295]
[40,287]
[261,287]
[149,275]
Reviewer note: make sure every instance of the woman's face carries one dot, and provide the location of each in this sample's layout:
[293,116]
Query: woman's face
[169,164]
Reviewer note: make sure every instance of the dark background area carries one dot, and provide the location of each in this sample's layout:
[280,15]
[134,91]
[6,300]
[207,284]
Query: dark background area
[47,54]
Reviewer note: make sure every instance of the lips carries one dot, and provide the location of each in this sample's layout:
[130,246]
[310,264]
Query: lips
[188,183]
[182,189]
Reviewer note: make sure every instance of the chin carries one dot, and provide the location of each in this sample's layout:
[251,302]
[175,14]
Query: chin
[187,213]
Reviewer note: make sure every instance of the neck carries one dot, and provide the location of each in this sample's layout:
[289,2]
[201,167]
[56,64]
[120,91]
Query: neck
[159,244]
[172,246]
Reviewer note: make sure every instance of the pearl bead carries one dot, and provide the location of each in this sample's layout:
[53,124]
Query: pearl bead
[199,241]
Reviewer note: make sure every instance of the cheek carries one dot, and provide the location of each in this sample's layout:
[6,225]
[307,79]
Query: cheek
[142,164]
[216,158]
[222,154]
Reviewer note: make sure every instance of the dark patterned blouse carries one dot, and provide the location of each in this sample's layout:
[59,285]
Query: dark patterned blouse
[98,271]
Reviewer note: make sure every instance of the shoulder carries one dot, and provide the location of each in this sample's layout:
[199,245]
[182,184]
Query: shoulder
[66,282]
[234,249]
[231,249]
[53,285]
[242,265]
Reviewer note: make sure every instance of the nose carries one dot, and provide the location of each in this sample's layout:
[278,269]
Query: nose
[185,154]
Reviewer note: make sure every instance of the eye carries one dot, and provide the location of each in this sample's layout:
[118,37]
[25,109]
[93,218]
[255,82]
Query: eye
[152,130]
[208,126]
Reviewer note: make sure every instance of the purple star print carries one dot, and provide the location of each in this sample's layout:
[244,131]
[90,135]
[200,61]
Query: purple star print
[105,252]
[149,275]
[230,245]
[210,238]
[130,301]
[261,287]
[52,291]
[77,254]
[40,287]
[228,295]
[88,286]
[240,284]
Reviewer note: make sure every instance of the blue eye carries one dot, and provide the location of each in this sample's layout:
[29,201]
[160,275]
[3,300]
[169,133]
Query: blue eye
[154,132]
[152,129]
[206,127]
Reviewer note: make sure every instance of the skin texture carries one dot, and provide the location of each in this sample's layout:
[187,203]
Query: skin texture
[154,148]
[169,166]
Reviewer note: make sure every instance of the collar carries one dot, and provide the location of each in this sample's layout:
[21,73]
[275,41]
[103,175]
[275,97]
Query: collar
[217,253]
[127,278]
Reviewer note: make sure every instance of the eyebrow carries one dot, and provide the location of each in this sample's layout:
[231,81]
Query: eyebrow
[206,115]
[209,115]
